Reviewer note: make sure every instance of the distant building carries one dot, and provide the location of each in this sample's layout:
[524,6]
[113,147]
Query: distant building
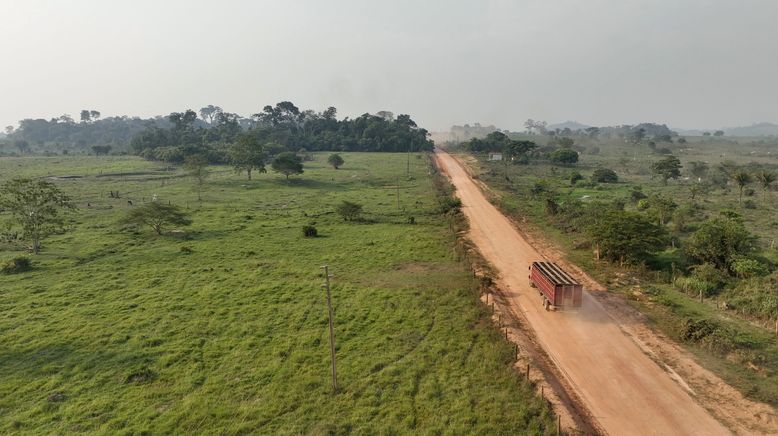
[495,156]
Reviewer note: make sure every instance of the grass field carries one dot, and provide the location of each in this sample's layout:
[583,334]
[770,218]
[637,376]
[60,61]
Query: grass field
[747,353]
[224,330]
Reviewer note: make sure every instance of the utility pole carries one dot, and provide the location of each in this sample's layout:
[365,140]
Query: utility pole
[332,329]
[408,167]
[398,193]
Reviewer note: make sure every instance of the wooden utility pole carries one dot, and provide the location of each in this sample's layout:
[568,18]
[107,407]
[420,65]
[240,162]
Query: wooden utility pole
[398,193]
[408,165]
[332,329]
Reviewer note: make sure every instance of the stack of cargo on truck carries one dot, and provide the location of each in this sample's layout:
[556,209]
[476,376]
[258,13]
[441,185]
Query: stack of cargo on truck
[558,290]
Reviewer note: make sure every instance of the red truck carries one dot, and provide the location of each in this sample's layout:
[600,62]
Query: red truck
[557,288]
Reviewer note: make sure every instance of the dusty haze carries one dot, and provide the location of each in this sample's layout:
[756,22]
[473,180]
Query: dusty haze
[689,64]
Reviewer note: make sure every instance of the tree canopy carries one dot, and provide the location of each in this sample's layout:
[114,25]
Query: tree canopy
[667,168]
[157,215]
[335,160]
[625,236]
[719,241]
[288,163]
[35,206]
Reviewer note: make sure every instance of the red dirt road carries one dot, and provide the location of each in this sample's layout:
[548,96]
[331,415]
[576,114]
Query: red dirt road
[624,390]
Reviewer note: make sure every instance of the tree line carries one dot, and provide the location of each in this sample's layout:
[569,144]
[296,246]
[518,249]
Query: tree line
[279,128]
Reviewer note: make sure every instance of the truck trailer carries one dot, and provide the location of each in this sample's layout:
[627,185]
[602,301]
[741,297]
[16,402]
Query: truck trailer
[557,289]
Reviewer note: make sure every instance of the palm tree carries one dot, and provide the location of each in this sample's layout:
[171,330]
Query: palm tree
[742,178]
[765,178]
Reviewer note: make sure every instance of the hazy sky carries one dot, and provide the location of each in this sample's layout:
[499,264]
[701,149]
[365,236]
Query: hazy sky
[688,63]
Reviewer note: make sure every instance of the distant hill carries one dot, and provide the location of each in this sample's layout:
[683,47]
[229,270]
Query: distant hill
[758,129]
[572,125]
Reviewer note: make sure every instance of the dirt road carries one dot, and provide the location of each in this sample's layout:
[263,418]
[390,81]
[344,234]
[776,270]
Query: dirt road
[624,390]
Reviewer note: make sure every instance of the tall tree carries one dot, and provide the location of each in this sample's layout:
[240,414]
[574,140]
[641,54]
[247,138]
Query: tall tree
[765,178]
[287,163]
[742,179]
[197,166]
[667,168]
[209,113]
[36,206]
[86,116]
[247,154]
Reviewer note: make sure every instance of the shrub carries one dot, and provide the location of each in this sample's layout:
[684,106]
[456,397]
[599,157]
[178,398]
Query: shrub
[349,211]
[749,204]
[310,231]
[745,267]
[575,177]
[17,265]
[410,219]
[186,249]
[564,156]
[604,175]
[636,195]
[450,204]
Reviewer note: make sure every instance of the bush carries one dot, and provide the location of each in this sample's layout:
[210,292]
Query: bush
[575,177]
[749,204]
[604,175]
[636,195]
[564,156]
[186,249]
[17,265]
[310,231]
[349,211]
[450,204]
[745,267]
[410,219]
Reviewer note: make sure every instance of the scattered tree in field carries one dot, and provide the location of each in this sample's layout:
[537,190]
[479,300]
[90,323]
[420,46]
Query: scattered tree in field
[625,236]
[742,179]
[349,211]
[667,168]
[197,167]
[247,154]
[718,133]
[765,178]
[101,149]
[157,215]
[699,169]
[35,206]
[575,177]
[564,156]
[288,164]
[517,149]
[604,175]
[660,207]
[335,161]
[719,241]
